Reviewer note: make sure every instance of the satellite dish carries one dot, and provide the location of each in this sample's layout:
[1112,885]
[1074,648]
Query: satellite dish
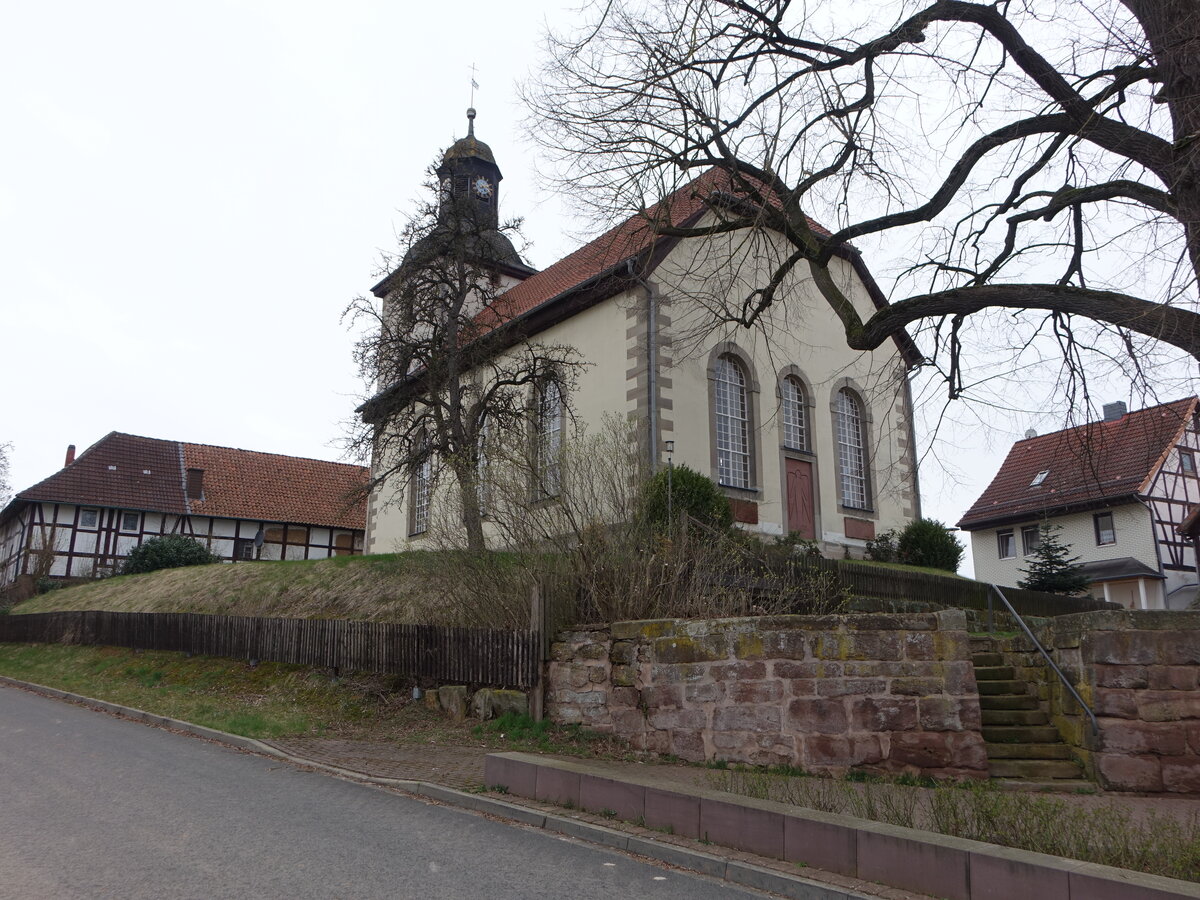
[258,538]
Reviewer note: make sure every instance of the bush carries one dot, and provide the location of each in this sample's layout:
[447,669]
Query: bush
[170,551]
[926,542]
[882,548]
[690,492]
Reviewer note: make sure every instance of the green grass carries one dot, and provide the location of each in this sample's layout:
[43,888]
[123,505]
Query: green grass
[927,570]
[267,701]
[517,731]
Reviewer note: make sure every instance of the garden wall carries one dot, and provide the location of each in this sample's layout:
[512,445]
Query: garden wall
[887,692]
[1138,671]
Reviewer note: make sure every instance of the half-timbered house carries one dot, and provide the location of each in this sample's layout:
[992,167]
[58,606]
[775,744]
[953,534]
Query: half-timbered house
[243,505]
[1120,488]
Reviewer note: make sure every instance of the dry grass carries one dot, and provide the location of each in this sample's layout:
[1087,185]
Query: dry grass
[1103,831]
[378,588]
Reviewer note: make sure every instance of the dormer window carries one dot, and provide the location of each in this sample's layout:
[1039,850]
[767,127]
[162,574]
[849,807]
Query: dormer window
[1039,478]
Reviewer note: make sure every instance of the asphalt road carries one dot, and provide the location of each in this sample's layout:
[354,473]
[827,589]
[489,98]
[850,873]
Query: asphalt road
[96,806]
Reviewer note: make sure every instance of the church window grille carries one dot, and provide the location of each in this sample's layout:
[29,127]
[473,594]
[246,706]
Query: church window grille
[852,461]
[795,414]
[732,424]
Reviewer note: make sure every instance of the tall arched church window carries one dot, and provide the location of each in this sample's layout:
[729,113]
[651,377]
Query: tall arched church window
[422,478]
[732,414]
[548,440]
[852,459]
[481,467]
[794,413]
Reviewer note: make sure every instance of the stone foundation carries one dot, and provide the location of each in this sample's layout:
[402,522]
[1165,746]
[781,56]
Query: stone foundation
[1138,671]
[887,692]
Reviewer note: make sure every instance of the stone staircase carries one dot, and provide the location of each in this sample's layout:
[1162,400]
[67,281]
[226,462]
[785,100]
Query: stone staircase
[1024,749]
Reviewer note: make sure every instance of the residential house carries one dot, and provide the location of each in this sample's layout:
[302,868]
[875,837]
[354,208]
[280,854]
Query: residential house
[1120,488]
[243,505]
[803,434]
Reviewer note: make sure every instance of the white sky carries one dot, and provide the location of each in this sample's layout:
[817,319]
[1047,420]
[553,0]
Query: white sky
[191,194]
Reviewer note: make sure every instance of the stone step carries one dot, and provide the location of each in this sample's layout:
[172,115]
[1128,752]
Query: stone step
[1058,786]
[1033,769]
[1028,751]
[1020,734]
[1014,717]
[995,673]
[988,659]
[983,644]
[1001,687]
[1008,701]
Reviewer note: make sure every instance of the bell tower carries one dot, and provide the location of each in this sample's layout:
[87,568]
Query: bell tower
[470,176]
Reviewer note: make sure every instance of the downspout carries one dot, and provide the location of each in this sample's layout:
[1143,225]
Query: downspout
[651,364]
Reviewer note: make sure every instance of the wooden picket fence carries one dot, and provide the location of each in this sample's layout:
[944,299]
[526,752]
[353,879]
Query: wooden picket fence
[480,656]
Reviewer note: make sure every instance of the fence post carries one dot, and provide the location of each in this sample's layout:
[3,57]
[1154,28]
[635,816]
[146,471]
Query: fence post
[537,624]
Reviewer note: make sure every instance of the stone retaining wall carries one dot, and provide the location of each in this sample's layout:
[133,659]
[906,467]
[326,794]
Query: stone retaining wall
[888,692]
[1138,671]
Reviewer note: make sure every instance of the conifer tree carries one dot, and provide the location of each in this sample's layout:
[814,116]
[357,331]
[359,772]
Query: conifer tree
[1052,568]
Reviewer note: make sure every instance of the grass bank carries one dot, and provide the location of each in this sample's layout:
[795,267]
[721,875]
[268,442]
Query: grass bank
[273,700]
[391,587]
[1085,828]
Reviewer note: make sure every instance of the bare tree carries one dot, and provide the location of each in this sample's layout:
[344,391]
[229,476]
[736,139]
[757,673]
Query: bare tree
[1036,159]
[445,361]
[5,486]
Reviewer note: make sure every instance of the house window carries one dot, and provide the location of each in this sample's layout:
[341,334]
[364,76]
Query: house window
[1187,462]
[1031,539]
[243,549]
[1006,544]
[731,412]
[89,518]
[130,521]
[1105,532]
[852,460]
[422,477]
[548,440]
[793,411]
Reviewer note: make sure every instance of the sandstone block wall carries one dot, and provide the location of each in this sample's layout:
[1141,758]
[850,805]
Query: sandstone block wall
[888,692]
[1139,672]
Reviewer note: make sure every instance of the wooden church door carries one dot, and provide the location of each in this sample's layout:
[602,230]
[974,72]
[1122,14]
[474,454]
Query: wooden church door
[800,516]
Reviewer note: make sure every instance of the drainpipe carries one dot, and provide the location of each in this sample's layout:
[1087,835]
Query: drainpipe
[651,362]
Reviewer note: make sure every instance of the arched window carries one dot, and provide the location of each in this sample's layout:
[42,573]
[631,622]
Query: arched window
[548,440]
[422,478]
[793,409]
[852,459]
[731,411]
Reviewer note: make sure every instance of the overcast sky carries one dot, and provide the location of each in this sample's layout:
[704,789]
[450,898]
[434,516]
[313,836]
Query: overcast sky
[191,194]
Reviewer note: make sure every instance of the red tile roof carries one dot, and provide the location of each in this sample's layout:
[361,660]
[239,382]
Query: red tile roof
[626,241]
[126,471]
[1088,464]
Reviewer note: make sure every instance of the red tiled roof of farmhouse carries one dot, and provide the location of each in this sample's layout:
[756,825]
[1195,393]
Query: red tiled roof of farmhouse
[126,471]
[1087,464]
[629,239]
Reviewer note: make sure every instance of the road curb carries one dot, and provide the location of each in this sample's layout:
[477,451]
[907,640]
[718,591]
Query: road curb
[733,871]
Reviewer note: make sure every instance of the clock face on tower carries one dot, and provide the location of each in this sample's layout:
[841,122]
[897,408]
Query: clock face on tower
[482,188]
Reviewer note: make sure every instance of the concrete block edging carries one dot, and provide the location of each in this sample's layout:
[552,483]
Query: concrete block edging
[921,861]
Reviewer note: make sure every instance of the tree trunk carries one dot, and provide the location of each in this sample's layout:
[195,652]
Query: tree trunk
[472,513]
[1172,28]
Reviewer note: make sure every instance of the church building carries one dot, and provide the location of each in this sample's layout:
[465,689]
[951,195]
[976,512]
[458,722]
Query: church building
[801,433]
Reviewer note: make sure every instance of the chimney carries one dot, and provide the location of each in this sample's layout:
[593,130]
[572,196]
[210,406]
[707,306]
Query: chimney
[70,455]
[195,484]
[1114,411]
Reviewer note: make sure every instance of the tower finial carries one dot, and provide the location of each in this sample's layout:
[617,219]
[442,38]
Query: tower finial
[470,121]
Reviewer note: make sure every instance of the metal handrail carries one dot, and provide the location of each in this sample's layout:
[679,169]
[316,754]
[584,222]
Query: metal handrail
[1057,671]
